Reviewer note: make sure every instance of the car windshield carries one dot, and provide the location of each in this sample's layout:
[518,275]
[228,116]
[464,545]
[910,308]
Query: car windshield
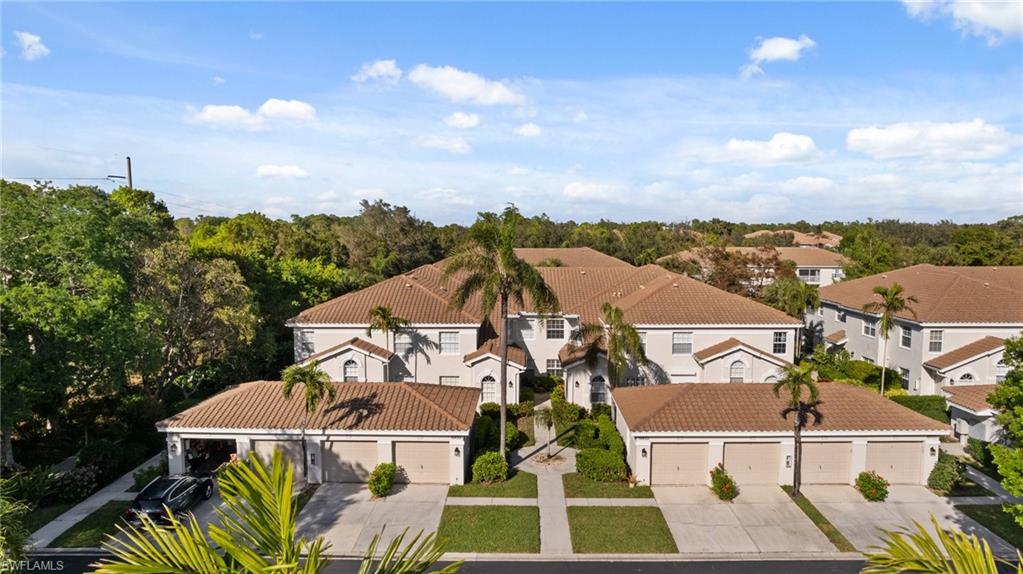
[157,489]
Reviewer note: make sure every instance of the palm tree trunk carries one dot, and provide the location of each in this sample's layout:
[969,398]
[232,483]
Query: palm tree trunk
[884,363]
[797,471]
[305,455]
[504,370]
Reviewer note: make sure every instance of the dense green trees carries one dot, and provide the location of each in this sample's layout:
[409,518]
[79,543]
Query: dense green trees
[1008,399]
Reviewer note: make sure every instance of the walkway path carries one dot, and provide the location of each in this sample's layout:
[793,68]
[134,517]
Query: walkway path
[116,490]
[993,486]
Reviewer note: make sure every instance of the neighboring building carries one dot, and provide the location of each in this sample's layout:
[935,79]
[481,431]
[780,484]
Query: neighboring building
[675,434]
[678,317]
[424,429]
[800,239]
[814,265]
[962,315]
[970,413]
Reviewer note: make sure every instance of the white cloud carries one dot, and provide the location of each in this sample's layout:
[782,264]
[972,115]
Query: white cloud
[450,144]
[808,185]
[518,170]
[279,200]
[289,171]
[217,80]
[783,147]
[529,130]
[462,120]
[32,47]
[774,49]
[381,70]
[287,110]
[592,190]
[254,35]
[460,86]
[580,116]
[445,195]
[228,117]
[326,196]
[970,140]
[994,20]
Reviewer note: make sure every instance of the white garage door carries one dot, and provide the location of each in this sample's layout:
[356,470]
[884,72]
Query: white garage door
[897,462]
[752,462]
[349,461]
[292,451]
[826,462]
[678,463]
[422,462]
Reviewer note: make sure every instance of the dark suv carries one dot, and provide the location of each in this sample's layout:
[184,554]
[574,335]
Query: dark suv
[177,492]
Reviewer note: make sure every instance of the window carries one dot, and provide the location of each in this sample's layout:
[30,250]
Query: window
[840,315]
[351,371]
[554,368]
[737,372]
[489,387]
[305,344]
[904,375]
[681,343]
[907,337]
[402,344]
[637,381]
[1001,365]
[555,328]
[781,339]
[869,328]
[810,275]
[771,379]
[450,380]
[642,341]
[527,330]
[966,378]
[934,343]
[820,311]
[449,343]
[598,390]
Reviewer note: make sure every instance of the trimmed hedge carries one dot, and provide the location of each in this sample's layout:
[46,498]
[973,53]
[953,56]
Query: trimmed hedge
[600,410]
[490,467]
[609,436]
[723,484]
[586,435]
[927,405]
[946,474]
[980,451]
[872,486]
[513,437]
[520,409]
[600,465]
[491,409]
[382,479]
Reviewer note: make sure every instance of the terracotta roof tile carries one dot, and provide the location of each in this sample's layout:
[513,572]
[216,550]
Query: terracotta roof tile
[493,347]
[973,397]
[569,256]
[799,238]
[358,406]
[983,346]
[944,294]
[752,407]
[361,344]
[733,343]
[572,352]
[837,337]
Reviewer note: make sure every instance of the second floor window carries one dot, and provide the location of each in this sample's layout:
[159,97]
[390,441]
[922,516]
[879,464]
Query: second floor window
[450,380]
[305,344]
[840,316]
[402,344]
[781,339]
[449,343]
[527,330]
[934,343]
[489,387]
[351,371]
[681,343]
[869,328]
[555,328]
[907,337]
[810,275]
[554,368]
[904,375]
[737,372]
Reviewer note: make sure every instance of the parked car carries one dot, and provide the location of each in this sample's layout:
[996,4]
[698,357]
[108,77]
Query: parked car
[178,492]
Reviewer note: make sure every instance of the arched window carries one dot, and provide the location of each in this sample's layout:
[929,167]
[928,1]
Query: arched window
[489,386]
[351,371]
[966,378]
[772,379]
[737,372]
[598,390]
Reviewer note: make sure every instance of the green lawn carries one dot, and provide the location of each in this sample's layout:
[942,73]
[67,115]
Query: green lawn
[519,485]
[578,486]
[815,516]
[619,530]
[996,520]
[491,529]
[41,516]
[525,425]
[93,529]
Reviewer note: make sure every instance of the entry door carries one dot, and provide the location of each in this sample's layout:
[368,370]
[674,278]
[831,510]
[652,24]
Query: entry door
[897,462]
[752,462]
[349,461]
[292,450]
[425,462]
[826,462]
[678,463]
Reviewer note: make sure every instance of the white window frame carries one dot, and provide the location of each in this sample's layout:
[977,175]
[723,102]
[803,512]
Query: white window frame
[967,376]
[595,397]
[554,368]
[809,275]
[402,344]
[931,347]
[679,340]
[906,333]
[784,343]
[642,340]
[732,370]
[344,371]
[840,315]
[491,396]
[869,329]
[528,331]
[449,380]
[560,329]
[457,343]
[306,343]
[904,375]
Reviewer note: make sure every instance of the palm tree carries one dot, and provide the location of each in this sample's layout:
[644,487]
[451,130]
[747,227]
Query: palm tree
[794,380]
[318,389]
[952,553]
[488,266]
[617,338]
[891,304]
[546,419]
[381,318]
[256,532]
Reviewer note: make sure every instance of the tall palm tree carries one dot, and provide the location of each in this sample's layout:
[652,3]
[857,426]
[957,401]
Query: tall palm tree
[317,388]
[381,318]
[617,338]
[487,266]
[256,532]
[891,304]
[795,379]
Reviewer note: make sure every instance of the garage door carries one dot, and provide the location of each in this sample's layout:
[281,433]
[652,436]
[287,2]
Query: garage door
[826,462]
[898,462]
[677,463]
[752,463]
[349,461]
[292,451]
[422,462]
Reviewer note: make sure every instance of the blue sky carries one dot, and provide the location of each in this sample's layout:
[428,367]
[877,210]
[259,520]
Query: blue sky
[755,112]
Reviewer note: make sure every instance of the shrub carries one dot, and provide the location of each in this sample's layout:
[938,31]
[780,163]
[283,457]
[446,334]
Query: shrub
[513,437]
[600,465]
[723,484]
[146,475]
[382,479]
[526,394]
[32,485]
[557,394]
[566,413]
[77,484]
[492,410]
[609,437]
[872,486]
[104,455]
[490,467]
[484,435]
[522,409]
[946,474]
[600,410]
[586,435]
[980,451]
[927,405]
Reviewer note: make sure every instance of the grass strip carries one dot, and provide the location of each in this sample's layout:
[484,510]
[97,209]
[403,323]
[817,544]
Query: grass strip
[834,535]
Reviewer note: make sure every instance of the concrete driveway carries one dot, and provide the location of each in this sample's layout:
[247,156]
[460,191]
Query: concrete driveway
[347,516]
[861,521]
[761,520]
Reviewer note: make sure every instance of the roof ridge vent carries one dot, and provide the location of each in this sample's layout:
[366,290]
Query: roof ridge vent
[582,272]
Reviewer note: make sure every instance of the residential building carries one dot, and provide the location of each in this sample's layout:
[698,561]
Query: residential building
[681,320]
[813,265]
[953,335]
[970,413]
[800,239]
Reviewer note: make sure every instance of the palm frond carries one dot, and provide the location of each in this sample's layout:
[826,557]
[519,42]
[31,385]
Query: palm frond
[415,557]
[155,549]
[916,550]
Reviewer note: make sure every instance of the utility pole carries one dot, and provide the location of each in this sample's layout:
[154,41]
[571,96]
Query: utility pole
[129,172]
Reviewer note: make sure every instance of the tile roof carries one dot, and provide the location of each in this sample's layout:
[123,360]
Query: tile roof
[569,256]
[732,343]
[944,294]
[572,352]
[983,346]
[972,397]
[493,347]
[800,238]
[752,407]
[837,337]
[801,256]
[358,406]
[356,342]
